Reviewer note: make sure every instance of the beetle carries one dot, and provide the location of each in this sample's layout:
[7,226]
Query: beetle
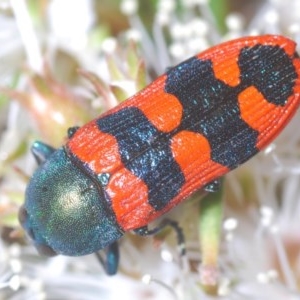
[181,133]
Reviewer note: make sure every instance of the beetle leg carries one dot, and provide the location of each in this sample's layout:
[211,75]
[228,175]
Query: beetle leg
[110,258]
[213,186]
[144,231]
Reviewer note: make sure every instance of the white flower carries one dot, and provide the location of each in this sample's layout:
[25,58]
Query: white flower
[259,256]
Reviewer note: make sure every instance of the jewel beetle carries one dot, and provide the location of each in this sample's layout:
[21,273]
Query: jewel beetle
[192,125]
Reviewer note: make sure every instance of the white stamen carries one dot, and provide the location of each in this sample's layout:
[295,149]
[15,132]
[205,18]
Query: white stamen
[166,6]
[162,18]
[262,278]
[178,31]
[294,28]
[166,256]
[266,216]
[133,35]
[199,27]
[109,45]
[146,278]
[15,282]
[235,22]
[270,149]
[129,7]
[271,17]
[177,50]
[230,224]
[16,265]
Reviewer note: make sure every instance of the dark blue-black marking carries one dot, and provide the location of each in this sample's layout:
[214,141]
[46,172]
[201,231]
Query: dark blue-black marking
[145,151]
[210,107]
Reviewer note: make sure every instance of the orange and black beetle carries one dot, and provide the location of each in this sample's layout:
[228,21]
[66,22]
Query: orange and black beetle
[201,119]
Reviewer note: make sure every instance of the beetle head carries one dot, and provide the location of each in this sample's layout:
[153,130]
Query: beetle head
[65,211]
